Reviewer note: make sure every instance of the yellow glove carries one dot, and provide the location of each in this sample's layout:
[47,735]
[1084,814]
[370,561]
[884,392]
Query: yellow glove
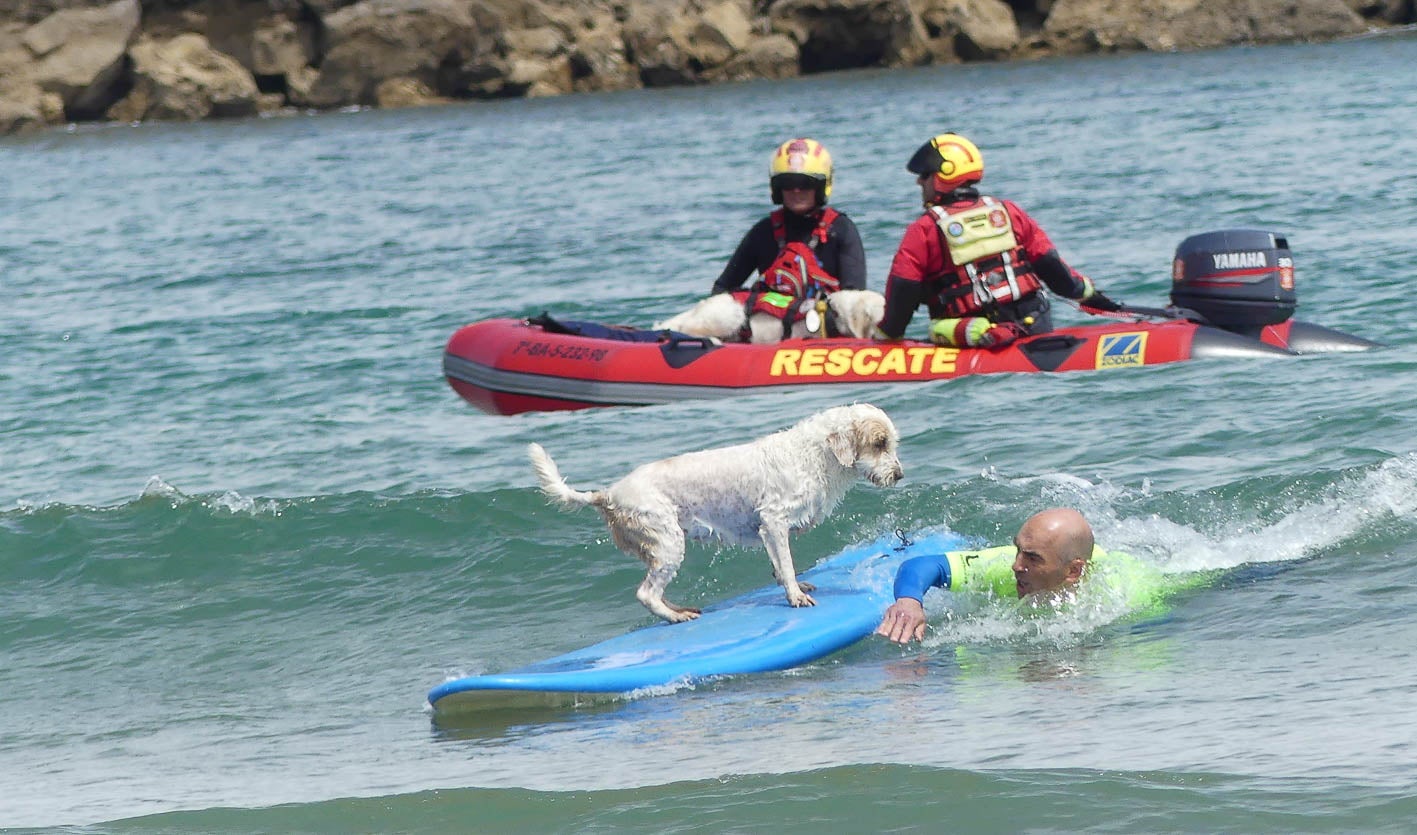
[974,332]
[959,333]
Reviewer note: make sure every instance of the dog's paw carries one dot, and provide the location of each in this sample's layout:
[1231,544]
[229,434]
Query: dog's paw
[679,614]
[801,585]
[799,600]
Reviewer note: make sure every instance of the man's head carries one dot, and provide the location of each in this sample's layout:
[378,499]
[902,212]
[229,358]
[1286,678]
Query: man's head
[945,163]
[1053,550]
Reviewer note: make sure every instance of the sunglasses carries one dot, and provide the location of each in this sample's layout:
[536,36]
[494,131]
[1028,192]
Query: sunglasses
[793,182]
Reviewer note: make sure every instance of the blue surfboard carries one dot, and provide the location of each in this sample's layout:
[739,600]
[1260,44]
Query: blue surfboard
[753,633]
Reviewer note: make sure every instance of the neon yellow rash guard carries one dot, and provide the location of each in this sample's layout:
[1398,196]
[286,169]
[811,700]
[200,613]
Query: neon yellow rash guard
[990,570]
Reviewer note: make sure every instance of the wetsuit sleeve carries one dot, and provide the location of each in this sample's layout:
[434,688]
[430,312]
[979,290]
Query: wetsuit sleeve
[905,286]
[919,574]
[902,297]
[851,254]
[748,257]
[1059,277]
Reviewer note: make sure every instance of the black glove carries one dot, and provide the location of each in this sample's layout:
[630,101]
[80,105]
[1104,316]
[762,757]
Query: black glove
[1099,301]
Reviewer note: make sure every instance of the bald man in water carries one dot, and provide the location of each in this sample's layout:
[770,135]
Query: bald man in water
[1054,547]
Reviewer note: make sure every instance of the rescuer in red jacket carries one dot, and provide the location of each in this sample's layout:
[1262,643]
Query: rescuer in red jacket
[977,263]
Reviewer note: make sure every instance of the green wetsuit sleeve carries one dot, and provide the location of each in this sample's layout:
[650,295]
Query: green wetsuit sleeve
[989,570]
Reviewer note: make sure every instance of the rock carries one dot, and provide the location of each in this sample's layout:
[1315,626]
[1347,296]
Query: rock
[405,92]
[673,45]
[598,60]
[970,30]
[66,58]
[299,83]
[1387,11]
[524,14]
[448,45]
[267,103]
[1030,15]
[14,57]
[722,31]
[1079,26]
[652,39]
[78,54]
[538,77]
[771,56]
[185,79]
[544,41]
[277,48]
[846,34]
[25,108]
[29,12]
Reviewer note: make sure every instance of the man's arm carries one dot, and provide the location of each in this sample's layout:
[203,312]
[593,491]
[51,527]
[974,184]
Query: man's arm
[905,283]
[902,297]
[747,257]
[1050,266]
[904,620]
[850,254]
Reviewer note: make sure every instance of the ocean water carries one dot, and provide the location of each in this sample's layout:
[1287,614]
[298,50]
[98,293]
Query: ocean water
[245,525]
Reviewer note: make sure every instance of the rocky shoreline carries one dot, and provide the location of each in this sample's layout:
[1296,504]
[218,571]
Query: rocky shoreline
[65,61]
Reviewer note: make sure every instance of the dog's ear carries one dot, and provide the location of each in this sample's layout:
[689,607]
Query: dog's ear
[843,446]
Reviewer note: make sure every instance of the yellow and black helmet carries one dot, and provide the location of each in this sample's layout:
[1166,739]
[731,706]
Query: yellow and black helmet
[954,161]
[801,163]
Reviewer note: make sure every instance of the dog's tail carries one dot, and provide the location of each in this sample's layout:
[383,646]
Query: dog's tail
[553,485]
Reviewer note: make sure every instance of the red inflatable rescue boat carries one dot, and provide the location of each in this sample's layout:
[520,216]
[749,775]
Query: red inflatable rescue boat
[1236,286]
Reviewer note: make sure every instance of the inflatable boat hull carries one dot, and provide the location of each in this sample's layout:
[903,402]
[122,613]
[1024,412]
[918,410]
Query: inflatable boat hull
[508,366]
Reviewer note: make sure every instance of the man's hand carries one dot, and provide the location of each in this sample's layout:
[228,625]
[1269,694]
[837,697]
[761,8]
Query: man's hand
[1097,301]
[904,621]
[975,332]
[1002,335]
[1093,298]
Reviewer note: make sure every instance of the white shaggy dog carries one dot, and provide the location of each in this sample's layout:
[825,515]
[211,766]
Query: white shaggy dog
[852,313]
[758,492]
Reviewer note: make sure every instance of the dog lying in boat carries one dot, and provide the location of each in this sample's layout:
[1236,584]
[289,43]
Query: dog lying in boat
[758,492]
[849,313]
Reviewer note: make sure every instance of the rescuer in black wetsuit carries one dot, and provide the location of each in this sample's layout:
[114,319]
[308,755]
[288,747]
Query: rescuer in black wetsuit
[800,177]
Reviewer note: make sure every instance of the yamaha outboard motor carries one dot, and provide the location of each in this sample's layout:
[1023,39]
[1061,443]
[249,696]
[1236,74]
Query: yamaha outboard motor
[1236,279]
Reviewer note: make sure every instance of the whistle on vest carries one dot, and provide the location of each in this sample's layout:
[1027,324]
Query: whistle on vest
[815,316]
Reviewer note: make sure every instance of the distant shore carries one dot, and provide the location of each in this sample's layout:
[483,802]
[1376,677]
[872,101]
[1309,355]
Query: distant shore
[62,61]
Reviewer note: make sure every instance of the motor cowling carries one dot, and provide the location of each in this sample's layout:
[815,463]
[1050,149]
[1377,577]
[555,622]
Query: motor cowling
[1237,279]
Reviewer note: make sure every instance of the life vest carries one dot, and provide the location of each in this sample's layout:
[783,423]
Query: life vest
[797,271]
[796,275]
[987,267]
